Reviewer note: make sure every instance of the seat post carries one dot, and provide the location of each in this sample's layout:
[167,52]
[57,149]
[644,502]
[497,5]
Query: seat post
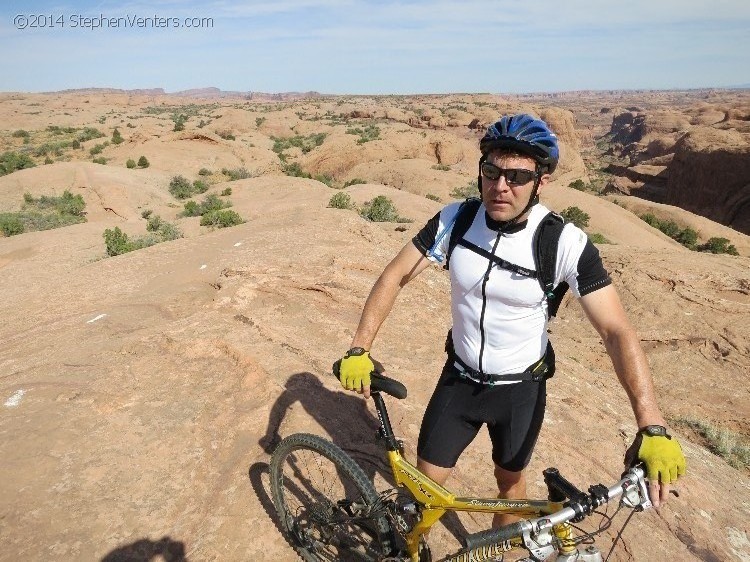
[386,431]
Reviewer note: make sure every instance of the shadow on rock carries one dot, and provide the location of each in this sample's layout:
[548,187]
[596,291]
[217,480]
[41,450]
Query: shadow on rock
[146,550]
[345,418]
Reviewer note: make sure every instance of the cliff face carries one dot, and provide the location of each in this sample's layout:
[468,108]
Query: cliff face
[710,175]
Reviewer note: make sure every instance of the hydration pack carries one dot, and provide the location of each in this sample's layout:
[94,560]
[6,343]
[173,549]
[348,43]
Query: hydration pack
[545,242]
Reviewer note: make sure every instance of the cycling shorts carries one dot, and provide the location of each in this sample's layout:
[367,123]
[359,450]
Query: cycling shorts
[458,409]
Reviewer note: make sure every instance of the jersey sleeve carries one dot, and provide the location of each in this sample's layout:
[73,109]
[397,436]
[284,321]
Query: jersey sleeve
[579,263]
[434,237]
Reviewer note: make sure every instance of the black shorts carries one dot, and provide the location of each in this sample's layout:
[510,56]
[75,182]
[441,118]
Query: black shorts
[458,408]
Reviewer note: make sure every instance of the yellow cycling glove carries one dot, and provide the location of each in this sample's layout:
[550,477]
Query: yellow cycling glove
[660,452]
[355,369]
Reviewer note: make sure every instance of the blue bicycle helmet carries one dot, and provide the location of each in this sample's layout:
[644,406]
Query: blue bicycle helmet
[525,134]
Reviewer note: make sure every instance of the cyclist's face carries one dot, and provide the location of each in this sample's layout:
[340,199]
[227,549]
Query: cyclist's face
[504,202]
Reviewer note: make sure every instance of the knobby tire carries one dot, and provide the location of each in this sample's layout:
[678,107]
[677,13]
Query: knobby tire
[323,500]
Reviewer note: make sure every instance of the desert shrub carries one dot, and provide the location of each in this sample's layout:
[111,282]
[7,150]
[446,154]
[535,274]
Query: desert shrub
[441,167]
[204,172]
[99,160]
[717,245]
[116,242]
[369,133]
[154,223]
[578,184]
[432,197]
[143,162]
[305,144]
[130,126]
[20,133]
[341,200]
[226,135]
[209,204]
[469,190]
[597,238]
[90,133]
[227,191]
[48,160]
[577,216]
[169,231]
[259,121]
[11,224]
[12,161]
[179,121]
[295,170]
[381,209]
[221,219]
[354,181]
[116,136]
[685,236]
[200,186]
[97,148]
[324,178]
[130,163]
[180,187]
[146,213]
[191,209]
[75,144]
[237,173]
[727,444]
[65,204]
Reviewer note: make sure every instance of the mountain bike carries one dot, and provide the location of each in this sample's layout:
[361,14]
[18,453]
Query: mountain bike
[330,510]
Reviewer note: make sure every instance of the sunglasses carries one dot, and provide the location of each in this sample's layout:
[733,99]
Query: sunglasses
[514,177]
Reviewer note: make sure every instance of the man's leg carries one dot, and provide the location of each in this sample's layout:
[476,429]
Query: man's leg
[511,485]
[438,473]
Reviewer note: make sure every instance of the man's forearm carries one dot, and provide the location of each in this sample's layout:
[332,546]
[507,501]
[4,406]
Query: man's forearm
[377,307]
[631,366]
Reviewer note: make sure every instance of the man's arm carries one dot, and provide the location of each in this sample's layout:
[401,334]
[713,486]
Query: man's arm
[607,315]
[407,264]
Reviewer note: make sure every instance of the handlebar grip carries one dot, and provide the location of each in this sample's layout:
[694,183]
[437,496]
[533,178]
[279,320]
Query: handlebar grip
[494,536]
[378,382]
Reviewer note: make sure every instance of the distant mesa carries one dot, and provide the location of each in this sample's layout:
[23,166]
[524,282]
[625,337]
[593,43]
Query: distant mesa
[202,93]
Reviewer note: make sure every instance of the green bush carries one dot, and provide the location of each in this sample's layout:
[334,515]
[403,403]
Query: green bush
[305,144]
[191,209]
[209,204]
[130,163]
[226,135]
[20,133]
[12,161]
[99,160]
[259,121]
[204,172]
[369,133]
[577,216]
[116,242]
[200,187]
[296,171]
[146,213]
[432,197]
[226,192]
[143,162]
[381,209]
[180,187]
[237,173]
[597,238]
[154,223]
[221,219]
[90,133]
[717,245]
[469,190]
[324,178]
[354,181]
[441,167]
[97,149]
[75,144]
[341,200]
[11,224]
[116,136]
[578,184]
[685,236]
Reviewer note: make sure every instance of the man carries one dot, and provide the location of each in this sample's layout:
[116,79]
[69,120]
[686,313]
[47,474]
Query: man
[499,339]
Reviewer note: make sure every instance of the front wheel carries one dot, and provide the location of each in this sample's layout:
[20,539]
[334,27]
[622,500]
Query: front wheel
[328,508]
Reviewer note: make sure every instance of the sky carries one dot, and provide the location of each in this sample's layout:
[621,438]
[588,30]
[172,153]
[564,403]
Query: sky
[375,47]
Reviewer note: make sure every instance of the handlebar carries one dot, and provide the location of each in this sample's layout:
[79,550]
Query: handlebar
[631,487]
[378,381]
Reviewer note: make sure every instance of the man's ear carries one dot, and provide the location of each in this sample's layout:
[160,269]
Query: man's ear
[543,181]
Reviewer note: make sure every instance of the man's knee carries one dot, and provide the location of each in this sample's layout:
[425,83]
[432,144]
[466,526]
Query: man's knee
[509,479]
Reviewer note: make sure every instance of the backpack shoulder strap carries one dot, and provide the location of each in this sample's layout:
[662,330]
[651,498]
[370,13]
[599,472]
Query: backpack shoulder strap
[466,213]
[545,243]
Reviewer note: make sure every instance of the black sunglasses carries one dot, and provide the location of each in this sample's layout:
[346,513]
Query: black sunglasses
[514,177]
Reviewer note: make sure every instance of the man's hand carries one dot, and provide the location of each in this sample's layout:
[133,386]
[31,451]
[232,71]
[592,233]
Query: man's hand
[355,369]
[662,455]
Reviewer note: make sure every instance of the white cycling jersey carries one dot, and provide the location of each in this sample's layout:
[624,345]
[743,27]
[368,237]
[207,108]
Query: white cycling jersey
[499,316]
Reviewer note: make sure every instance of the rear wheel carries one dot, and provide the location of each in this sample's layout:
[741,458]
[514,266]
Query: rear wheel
[327,506]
